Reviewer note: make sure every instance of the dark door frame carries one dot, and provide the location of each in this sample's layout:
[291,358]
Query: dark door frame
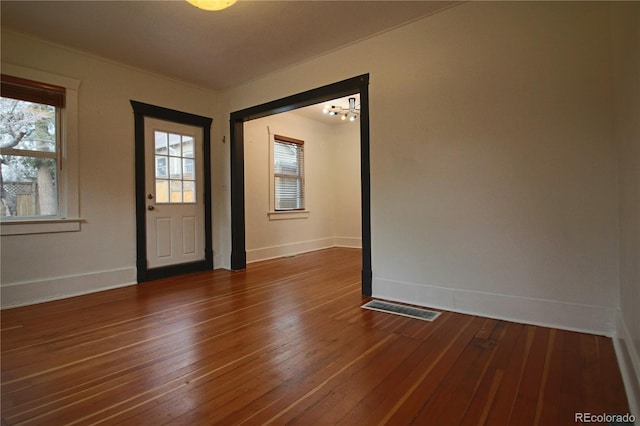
[359,84]
[142,110]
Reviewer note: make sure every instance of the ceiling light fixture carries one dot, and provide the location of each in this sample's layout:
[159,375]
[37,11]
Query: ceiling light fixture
[350,113]
[212,4]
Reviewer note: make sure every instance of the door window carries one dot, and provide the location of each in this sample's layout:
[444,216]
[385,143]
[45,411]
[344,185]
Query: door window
[175,177]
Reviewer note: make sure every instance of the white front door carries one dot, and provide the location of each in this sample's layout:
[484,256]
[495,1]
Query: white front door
[174,193]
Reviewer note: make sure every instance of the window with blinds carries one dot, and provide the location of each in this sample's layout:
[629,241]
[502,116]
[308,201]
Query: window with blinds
[288,173]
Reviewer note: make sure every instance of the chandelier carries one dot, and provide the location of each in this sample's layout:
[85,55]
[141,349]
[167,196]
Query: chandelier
[212,4]
[346,113]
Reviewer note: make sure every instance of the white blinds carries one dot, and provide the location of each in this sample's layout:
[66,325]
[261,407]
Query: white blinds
[288,173]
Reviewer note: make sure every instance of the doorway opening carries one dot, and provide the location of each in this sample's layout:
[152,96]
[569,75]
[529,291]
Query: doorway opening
[356,85]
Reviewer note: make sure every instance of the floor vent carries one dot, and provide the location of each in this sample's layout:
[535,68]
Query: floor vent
[407,311]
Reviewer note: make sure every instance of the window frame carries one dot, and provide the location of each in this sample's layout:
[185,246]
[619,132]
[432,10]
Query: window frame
[297,213]
[67,218]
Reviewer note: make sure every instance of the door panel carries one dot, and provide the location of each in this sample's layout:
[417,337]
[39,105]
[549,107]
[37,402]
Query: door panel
[174,185]
[163,237]
[189,237]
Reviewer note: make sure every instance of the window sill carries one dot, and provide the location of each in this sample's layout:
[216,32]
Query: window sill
[39,226]
[289,214]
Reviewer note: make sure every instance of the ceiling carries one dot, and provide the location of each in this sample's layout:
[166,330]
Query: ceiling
[217,50]
[314,112]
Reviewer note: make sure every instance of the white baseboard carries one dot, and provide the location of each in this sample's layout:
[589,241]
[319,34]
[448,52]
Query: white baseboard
[266,253]
[31,292]
[219,261]
[629,363]
[347,242]
[274,252]
[547,313]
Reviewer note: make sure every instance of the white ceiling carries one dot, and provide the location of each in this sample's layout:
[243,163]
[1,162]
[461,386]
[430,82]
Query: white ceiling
[212,49]
[314,112]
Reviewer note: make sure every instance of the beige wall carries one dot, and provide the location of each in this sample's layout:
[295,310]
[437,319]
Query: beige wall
[332,167]
[347,218]
[102,254]
[493,172]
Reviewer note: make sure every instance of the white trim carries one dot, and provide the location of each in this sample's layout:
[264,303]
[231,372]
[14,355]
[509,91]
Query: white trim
[31,292]
[39,226]
[219,261]
[289,214]
[42,76]
[629,363]
[68,203]
[347,242]
[292,249]
[266,253]
[547,313]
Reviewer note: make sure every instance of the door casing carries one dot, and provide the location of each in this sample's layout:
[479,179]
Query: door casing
[142,110]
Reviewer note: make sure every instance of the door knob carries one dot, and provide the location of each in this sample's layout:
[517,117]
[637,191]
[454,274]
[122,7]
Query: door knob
[151,208]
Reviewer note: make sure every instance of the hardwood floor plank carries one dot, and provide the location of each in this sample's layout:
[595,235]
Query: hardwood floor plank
[528,391]
[572,396]
[453,396]
[155,336]
[590,372]
[505,398]
[384,397]
[482,401]
[286,342]
[428,381]
[548,408]
[288,412]
[288,361]
[286,395]
[545,376]
[222,346]
[353,386]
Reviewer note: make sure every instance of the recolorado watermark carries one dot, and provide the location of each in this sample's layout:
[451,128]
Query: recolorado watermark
[604,418]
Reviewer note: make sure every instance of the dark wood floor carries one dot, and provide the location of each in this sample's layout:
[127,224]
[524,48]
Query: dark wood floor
[286,342]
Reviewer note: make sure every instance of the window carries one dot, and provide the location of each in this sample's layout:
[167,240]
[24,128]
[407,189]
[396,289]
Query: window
[176,183]
[29,147]
[38,158]
[288,174]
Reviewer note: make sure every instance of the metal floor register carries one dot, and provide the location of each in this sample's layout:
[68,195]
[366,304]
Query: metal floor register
[407,311]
